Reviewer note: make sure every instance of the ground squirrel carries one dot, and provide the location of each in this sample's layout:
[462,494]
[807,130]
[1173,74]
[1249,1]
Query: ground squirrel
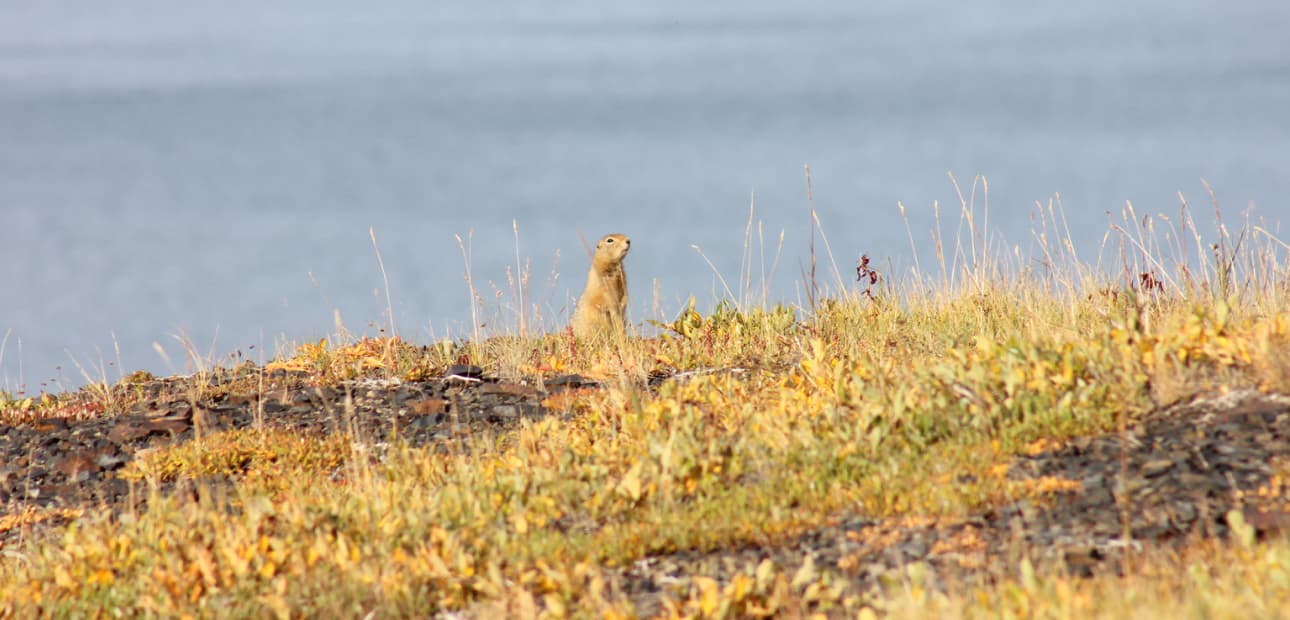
[603,306]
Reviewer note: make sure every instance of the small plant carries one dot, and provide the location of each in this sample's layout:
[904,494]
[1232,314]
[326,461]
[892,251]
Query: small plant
[867,275]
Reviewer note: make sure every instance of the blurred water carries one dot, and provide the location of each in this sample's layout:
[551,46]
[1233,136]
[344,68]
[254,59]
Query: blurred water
[214,168]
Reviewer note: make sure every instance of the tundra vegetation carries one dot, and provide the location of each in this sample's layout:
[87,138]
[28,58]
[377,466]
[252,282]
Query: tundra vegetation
[891,398]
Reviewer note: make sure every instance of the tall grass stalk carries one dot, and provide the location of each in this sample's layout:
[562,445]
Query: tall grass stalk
[385,280]
[518,291]
[812,288]
[475,300]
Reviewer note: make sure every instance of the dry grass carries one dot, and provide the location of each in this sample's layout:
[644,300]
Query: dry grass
[1206,581]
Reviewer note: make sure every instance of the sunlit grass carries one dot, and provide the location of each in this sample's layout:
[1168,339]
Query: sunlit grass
[1206,581]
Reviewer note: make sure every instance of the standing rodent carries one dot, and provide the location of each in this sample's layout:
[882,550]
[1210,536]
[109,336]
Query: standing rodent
[602,309]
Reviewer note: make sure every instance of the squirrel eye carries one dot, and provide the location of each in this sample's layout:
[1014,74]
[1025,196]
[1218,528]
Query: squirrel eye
[609,240]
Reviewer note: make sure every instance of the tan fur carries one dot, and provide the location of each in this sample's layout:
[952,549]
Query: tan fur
[602,309]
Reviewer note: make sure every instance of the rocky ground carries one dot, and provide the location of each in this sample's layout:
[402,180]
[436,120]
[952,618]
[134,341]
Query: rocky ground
[64,462]
[1173,475]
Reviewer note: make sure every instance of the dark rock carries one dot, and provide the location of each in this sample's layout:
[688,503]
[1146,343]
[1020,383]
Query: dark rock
[132,429]
[109,458]
[512,389]
[914,550]
[1082,560]
[425,423]
[50,425]
[404,395]
[428,406]
[569,382]
[78,463]
[467,371]
[1184,514]
[1267,521]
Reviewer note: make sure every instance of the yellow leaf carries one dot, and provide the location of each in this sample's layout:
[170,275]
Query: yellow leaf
[278,604]
[739,588]
[63,578]
[984,346]
[630,485]
[765,572]
[103,576]
[805,574]
[555,606]
[708,594]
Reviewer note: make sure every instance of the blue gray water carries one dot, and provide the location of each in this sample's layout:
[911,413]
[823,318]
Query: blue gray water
[213,168]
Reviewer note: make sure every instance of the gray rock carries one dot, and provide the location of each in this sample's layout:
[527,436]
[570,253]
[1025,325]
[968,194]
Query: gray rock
[1156,467]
